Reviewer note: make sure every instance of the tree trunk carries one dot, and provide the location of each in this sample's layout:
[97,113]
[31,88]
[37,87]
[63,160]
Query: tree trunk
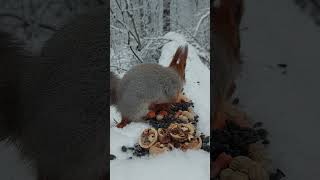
[166,16]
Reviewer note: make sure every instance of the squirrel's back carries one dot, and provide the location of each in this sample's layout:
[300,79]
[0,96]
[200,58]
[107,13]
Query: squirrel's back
[61,102]
[144,84]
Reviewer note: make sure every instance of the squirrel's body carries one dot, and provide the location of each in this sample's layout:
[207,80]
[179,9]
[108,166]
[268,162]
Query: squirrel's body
[145,86]
[54,106]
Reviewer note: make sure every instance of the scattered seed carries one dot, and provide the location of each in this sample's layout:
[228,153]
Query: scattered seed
[112,157]
[266,142]
[235,101]
[282,65]
[257,124]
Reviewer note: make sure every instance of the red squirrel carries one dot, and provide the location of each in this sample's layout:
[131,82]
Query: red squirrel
[226,54]
[54,106]
[149,87]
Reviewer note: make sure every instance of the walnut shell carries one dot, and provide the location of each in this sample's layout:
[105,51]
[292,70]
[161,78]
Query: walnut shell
[159,148]
[228,174]
[164,136]
[258,153]
[148,138]
[180,132]
[195,144]
[183,118]
[189,115]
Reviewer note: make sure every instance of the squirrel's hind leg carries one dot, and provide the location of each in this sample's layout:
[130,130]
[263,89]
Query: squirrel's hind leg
[123,122]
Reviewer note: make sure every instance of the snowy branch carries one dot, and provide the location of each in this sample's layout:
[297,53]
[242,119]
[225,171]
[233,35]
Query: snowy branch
[200,22]
[130,14]
[26,23]
[139,59]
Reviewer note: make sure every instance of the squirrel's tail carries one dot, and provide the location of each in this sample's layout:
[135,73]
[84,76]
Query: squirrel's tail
[179,61]
[225,41]
[11,52]
[114,83]
[227,19]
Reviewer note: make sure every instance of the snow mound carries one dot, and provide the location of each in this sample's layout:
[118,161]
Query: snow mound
[176,164]
[197,86]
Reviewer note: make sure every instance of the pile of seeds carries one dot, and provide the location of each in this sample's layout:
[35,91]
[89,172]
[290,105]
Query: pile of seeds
[235,140]
[240,153]
[171,129]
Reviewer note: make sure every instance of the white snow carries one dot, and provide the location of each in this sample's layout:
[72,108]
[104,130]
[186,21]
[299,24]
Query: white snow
[278,32]
[196,72]
[175,164]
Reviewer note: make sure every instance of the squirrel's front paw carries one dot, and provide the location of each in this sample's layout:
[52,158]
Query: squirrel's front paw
[182,98]
[123,123]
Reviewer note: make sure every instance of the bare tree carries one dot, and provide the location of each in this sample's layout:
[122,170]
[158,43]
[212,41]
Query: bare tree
[166,16]
[312,7]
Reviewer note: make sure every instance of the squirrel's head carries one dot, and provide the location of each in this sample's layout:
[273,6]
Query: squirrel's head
[179,61]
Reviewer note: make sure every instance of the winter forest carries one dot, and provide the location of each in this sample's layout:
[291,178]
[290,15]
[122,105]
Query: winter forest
[34,21]
[138,27]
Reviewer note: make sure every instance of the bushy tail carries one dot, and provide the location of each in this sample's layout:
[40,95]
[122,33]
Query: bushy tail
[226,22]
[114,83]
[10,52]
[179,61]
[226,47]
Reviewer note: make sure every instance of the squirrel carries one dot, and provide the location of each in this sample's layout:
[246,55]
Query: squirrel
[149,87]
[53,106]
[227,15]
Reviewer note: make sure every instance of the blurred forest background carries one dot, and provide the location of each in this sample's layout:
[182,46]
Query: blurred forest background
[34,21]
[138,26]
[311,7]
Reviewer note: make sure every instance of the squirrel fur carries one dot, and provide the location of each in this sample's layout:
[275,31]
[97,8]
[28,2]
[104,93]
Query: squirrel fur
[150,83]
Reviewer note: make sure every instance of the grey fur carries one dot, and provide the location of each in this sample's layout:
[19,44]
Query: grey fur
[114,83]
[145,84]
[61,102]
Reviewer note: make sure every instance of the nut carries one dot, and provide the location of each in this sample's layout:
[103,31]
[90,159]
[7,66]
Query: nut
[159,117]
[159,148]
[188,115]
[196,143]
[180,132]
[148,138]
[164,136]
[163,113]
[183,118]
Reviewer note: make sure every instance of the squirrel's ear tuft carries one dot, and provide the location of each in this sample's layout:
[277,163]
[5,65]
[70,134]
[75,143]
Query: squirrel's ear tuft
[179,61]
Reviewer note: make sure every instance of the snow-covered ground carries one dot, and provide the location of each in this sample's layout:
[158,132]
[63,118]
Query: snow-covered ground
[288,104]
[174,165]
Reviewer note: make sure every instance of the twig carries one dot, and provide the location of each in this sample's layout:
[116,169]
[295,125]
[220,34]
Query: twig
[118,29]
[26,23]
[124,25]
[49,27]
[316,4]
[133,23]
[244,29]
[199,23]
[136,55]
[101,2]
[119,68]
[13,16]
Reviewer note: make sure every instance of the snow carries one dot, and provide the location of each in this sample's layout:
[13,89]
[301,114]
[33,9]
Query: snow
[175,164]
[287,104]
